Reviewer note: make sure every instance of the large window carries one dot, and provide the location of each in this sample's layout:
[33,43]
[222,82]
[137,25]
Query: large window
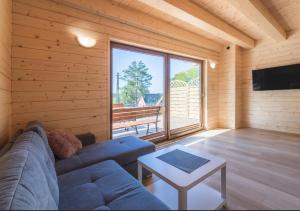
[154,95]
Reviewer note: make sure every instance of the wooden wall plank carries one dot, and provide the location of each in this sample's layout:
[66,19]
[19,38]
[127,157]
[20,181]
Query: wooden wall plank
[58,86]
[25,96]
[33,64]
[55,46]
[32,107]
[36,75]
[46,55]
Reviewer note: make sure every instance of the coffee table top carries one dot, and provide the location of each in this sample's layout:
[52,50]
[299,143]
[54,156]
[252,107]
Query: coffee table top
[176,177]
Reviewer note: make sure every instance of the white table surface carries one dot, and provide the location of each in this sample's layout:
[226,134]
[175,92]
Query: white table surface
[177,178]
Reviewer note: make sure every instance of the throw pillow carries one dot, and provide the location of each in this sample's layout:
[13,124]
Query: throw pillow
[63,143]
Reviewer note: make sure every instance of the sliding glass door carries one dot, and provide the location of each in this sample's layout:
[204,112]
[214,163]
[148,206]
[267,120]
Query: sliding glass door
[184,94]
[154,95]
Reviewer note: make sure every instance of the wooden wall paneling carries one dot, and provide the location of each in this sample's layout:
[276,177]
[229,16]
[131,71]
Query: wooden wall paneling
[226,83]
[62,84]
[54,17]
[5,70]
[238,87]
[230,91]
[272,110]
[212,97]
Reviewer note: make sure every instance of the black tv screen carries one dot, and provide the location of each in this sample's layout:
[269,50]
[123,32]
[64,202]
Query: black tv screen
[277,78]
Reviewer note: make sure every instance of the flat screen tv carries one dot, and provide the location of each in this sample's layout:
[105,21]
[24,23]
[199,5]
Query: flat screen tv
[277,78]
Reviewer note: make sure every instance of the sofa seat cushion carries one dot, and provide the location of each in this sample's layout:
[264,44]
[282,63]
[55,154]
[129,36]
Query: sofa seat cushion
[112,181]
[123,150]
[82,197]
[107,175]
[138,199]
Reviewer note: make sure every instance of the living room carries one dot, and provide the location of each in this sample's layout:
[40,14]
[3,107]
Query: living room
[123,101]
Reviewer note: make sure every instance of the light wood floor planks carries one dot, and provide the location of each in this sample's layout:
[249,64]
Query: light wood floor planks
[263,167]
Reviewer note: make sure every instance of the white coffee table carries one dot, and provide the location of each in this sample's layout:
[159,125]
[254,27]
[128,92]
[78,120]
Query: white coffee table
[181,190]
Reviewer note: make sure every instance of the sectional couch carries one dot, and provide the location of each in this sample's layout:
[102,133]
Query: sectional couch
[94,178]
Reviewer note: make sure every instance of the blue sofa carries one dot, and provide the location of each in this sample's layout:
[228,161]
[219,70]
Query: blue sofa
[28,179]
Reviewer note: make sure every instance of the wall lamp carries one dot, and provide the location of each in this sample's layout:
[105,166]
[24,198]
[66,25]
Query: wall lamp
[86,42]
[212,64]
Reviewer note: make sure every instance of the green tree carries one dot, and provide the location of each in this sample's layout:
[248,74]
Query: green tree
[138,81]
[187,75]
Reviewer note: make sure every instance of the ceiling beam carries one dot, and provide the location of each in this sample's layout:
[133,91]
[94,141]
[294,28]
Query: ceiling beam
[255,11]
[107,8]
[193,14]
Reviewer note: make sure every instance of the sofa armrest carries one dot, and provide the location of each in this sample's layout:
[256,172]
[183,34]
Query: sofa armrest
[87,139]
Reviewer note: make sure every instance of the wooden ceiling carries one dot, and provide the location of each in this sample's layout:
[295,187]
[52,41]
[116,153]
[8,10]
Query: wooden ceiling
[231,15]
[287,12]
[257,19]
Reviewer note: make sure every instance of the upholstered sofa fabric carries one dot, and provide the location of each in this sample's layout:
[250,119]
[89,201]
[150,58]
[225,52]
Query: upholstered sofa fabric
[37,127]
[111,186]
[27,176]
[124,151]
[5,148]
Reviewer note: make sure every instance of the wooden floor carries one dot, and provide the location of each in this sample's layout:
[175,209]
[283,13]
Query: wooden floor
[263,167]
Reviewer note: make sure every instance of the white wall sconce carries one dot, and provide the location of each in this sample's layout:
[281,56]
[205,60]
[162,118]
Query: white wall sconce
[212,64]
[86,42]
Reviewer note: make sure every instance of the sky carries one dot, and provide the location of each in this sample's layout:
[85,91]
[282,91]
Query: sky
[123,58]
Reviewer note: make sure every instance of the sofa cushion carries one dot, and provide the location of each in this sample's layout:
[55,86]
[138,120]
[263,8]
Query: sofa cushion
[23,183]
[107,175]
[33,143]
[113,182]
[123,150]
[37,127]
[137,199]
[86,196]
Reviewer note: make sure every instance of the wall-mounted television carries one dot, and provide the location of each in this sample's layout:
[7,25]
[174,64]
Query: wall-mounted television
[276,78]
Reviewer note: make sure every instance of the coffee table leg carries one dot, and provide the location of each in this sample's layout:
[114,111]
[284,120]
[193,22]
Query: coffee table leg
[140,172]
[223,183]
[182,200]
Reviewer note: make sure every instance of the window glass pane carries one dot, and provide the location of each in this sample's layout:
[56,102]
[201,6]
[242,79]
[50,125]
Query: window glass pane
[185,89]
[138,93]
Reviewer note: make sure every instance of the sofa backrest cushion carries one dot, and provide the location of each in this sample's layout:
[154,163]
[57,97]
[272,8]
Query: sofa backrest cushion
[38,127]
[24,183]
[33,143]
